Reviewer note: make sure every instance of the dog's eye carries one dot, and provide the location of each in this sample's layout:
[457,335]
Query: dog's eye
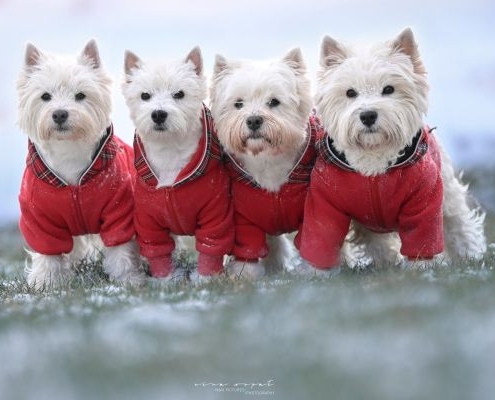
[351,93]
[46,96]
[178,95]
[388,90]
[80,96]
[273,103]
[145,96]
[238,104]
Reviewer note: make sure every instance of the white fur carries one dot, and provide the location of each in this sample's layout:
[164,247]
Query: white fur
[168,146]
[270,158]
[68,149]
[368,71]
[369,150]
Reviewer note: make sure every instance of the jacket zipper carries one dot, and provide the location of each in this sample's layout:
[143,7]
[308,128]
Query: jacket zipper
[278,213]
[172,215]
[376,201]
[80,217]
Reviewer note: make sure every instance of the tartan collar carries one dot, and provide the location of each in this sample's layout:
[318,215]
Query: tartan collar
[408,156]
[208,148]
[104,155]
[301,171]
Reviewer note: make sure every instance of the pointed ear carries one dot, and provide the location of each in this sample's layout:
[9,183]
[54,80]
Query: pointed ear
[131,61]
[332,52]
[32,56]
[90,52]
[221,64]
[196,58]
[294,59]
[405,43]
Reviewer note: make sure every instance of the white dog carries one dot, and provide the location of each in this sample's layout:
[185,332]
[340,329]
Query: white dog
[381,166]
[182,187]
[262,111]
[77,179]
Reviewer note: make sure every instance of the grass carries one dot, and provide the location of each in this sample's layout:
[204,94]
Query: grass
[372,334]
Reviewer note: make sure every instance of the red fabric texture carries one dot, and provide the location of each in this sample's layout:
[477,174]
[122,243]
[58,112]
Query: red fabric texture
[258,212]
[198,203]
[52,212]
[407,199]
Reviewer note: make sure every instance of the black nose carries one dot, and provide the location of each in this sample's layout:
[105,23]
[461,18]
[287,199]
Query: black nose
[368,118]
[60,116]
[254,122]
[159,116]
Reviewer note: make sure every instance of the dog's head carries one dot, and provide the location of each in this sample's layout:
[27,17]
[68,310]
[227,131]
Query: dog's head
[64,99]
[261,107]
[164,98]
[372,99]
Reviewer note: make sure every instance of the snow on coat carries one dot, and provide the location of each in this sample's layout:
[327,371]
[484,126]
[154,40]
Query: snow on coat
[197,203]
[407,198]
[52,211]
[258,212]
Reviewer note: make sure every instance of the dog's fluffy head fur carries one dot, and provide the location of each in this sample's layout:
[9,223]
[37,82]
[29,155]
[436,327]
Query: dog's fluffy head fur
[62,98]
[261,107]
[372,101]
[164,98]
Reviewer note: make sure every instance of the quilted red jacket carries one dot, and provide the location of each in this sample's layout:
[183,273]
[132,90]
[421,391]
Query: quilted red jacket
[52,211]
[407,198]
[198,203]
[258,212]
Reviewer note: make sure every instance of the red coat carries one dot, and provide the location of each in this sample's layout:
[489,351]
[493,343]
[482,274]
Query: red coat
[407,198]
[198,203]
[258,212]
[52,211]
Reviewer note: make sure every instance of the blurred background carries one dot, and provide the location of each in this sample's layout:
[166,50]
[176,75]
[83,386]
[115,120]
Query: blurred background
[456,39]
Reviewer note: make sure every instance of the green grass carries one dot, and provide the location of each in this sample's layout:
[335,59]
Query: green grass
[375,334]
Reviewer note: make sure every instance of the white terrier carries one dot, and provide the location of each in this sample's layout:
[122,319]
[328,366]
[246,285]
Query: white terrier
[77,180]
[262,111]
[182,188]
[381,166]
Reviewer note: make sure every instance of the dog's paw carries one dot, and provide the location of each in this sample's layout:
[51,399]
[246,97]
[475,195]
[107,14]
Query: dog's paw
[47,271]
[198,279]
[252,271]
[306,270]
[418,265]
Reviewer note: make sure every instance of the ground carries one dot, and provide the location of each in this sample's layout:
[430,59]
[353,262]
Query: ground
[376,334]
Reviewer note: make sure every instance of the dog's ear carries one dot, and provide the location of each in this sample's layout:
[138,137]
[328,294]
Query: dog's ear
[197,59]
[32,56]
[90,52]
[405,43]
[332,53]
[221,64]
[294,59]
[131,61]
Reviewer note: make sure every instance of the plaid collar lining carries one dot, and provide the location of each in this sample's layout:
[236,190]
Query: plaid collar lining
[409,155]
[301,171]
[208,148]
[105,153]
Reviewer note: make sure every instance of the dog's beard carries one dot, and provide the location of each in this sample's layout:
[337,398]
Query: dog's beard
[274,137]
[179,124]
[79,127]
[393,130]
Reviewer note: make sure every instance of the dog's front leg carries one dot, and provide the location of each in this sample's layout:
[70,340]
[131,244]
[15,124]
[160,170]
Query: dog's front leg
[122,263]
[47,270]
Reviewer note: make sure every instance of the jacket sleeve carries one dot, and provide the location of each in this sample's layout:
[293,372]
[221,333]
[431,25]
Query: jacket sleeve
[250,239]
[153,238]
[421,219]
[41,233]
[215,231]
[324,227]
[117,216]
